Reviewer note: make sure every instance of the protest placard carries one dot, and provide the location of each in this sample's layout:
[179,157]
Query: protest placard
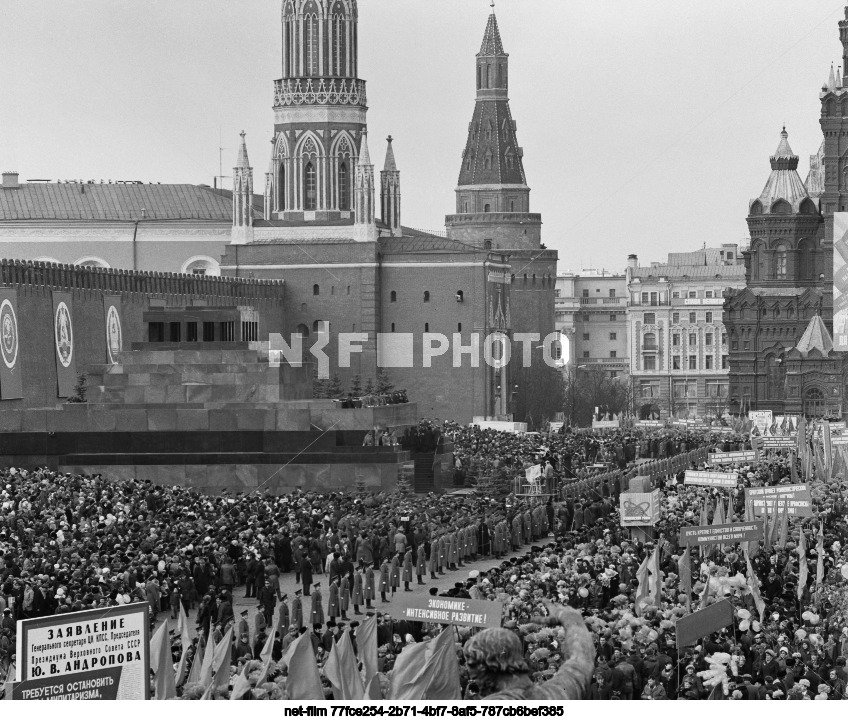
[454,611]
[711,478]
[98,654]
[775,498]
[733,457]
[722,533]
[640,509]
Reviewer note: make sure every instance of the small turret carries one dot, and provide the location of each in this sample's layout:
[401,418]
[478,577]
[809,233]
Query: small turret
[390,192]
[242,231]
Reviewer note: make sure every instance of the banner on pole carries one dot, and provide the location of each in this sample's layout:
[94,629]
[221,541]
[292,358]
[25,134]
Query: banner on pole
[704,622]
[796,499]
[454,611]
[711,478]
[777,442]
[762,420]
[63,337]
[103,654]
[722,533]
[640,509]
[11,382]
[734,457]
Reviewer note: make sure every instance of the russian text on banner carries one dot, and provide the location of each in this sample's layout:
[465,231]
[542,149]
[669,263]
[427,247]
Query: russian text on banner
[722,533]
[454,611]
[711,478]
[640,509]
[796,499]
[99,654]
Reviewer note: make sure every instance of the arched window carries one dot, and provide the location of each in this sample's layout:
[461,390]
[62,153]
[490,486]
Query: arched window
[316,290]
[756,208]
[312,44]
[781,263]
[310,187]
[281,187]
[315,325]
[489,131]
[650,341]
[488,76]
[340,44]
[426,296]
[302,330]
[487,208]
[393,296]
[460,296]
[479,77]
[781,207]
[344,188]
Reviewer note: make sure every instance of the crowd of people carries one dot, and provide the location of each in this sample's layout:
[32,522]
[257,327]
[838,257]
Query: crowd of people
[70,543]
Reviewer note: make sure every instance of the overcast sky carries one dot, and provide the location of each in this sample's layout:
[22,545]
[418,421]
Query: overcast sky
[646,126]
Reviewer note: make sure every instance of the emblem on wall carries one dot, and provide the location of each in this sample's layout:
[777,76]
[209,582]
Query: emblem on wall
[64,333]
[114,334]
[8,334]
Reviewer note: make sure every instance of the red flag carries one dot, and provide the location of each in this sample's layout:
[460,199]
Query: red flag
[162,665]
[643,590]
[197,662]
[803,571]
[340,670]
[427,671]
[221,662]
[241,685]
[303,682]
[185,638]
[820,558]
[784,527]
[754,585]
[684,565]
[366,644]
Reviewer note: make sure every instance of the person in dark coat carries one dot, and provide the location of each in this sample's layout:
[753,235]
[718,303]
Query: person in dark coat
[306,575]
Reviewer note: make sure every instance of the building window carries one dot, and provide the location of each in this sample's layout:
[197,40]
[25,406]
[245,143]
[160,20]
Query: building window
[393,296]
[612,317]
[650,341]
[734,345]
[675,294]
[693,294]
[675,362]
[281,187]
[459,327]
[585,317]
[426,327]
[716,389]
[693,362]
[644,299]
[685,389]
[316,290]
[585,354]
[746,345]
[613,354]
[780,262]
[725,362]
[310,188]
[393,327]
[487,208]
[312,45]
[332,290]
[613,336]
[693,318]
[649,363]
[426,296]
[708,362]
[344,192]
[724,338]
[649,389]
[585,336]
[348,290]
[585,292]
[709,317]
[708,294]
[649,318]
[612,292]
[693,339]
[340,44]
[708,339]
[208,331]
[675,318]
[675,339]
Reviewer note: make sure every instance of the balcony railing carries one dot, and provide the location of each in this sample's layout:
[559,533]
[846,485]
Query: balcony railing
[319,91]
[650,347]
[602,301]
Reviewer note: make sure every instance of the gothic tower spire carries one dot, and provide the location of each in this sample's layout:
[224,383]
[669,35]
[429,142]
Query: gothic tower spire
[390,192]
[492,188]
[365,226]
[242,231]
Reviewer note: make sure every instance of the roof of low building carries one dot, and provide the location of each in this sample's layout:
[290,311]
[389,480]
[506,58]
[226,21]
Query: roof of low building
[115,202]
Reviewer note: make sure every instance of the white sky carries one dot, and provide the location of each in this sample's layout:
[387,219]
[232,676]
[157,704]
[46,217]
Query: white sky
[646,125]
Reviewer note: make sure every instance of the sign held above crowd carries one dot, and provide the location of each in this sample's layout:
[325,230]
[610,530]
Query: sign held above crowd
[796,499]
[722,533]
[454,611]
[711,478]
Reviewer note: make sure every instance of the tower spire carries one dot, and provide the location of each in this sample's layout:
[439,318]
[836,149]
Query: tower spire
[364,224]
[390,192]
[242,230]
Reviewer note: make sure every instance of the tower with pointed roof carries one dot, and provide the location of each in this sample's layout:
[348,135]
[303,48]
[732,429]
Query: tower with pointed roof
[492,195]
[365,223]
[390,192]
[319,114]
[242,232]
